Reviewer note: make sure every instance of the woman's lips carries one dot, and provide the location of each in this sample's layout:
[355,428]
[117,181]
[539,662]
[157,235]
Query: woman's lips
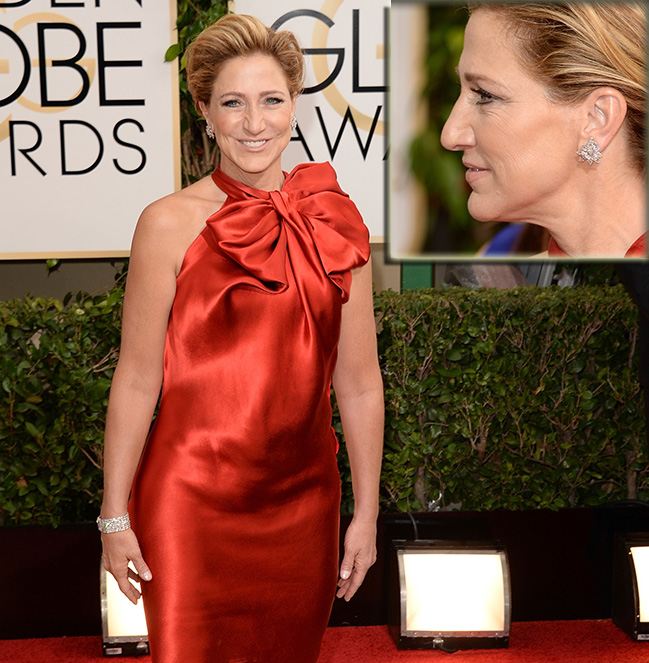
[474,173]
[254,144]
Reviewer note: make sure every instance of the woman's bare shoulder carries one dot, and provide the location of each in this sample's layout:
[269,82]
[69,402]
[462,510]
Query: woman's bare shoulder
[187,207]
[170,224]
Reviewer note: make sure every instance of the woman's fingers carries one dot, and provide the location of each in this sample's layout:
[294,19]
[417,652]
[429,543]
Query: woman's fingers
[128,589]
[360,554]
[349,584]
[134,575]
[120,548]
[143,570]
[347,566]
[121,572]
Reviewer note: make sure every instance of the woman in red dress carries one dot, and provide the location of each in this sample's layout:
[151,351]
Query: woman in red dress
[249,293]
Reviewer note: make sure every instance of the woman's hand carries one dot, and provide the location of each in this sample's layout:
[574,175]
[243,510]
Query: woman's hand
[360,554]
[120,548]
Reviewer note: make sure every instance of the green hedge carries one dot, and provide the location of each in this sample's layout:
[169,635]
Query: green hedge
[56,363]
[511,399]
[494,399]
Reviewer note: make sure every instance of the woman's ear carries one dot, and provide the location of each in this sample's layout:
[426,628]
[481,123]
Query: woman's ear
[604,111]
[202,108]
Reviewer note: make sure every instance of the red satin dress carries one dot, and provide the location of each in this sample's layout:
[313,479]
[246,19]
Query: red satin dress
[236,499]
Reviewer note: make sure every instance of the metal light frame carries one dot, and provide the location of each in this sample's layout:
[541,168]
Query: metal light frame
[435,631]
[630,609]
[120,620]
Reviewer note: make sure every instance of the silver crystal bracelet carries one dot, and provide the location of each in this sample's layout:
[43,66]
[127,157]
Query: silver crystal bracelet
[109,525]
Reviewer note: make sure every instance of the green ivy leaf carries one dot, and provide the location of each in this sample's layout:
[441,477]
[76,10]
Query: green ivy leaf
[172,52]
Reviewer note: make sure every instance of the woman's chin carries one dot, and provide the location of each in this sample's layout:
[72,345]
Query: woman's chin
[480,210]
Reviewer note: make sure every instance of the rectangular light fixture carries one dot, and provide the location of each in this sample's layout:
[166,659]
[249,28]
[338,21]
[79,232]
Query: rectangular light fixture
[630,610]
[449,595]
[124,630]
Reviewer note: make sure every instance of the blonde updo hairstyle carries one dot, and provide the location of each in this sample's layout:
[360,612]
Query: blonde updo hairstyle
[240,35]
[573,48]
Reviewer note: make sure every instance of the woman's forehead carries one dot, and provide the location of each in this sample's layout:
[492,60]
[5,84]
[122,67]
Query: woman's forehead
[250,71]
[491,52]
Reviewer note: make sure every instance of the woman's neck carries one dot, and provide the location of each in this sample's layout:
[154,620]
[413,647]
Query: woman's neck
[604,221]
[270,179]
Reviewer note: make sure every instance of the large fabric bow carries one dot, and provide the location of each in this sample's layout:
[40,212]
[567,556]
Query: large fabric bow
[253,226]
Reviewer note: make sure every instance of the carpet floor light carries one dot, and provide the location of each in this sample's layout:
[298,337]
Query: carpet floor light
[449,595]
[630,609]
[124,630]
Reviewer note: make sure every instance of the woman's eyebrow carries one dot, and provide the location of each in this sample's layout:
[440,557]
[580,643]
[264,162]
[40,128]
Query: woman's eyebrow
[471,77]
[235,93]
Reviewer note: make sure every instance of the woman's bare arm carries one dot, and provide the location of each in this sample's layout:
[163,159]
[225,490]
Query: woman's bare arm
[359,393]
[150,291]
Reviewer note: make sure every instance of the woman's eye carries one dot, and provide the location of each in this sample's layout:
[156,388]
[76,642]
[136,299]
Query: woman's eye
[231,103]
[274,100]
[485,97]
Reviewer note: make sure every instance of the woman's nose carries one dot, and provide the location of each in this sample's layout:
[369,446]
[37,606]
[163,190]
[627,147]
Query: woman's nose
[457,133]
[254,120]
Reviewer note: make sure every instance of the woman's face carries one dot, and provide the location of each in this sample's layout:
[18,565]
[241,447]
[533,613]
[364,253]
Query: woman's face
[250,111]
[519,148]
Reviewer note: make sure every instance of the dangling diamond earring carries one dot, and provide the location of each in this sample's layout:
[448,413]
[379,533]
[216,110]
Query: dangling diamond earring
[293,123]
[590,152]
[209,131]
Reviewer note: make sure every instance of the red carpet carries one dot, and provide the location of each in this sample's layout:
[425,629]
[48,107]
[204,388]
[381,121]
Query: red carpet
[530,642]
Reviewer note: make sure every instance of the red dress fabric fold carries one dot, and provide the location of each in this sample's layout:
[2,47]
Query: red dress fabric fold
[236,498]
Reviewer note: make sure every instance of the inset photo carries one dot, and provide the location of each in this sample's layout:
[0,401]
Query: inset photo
[517,130]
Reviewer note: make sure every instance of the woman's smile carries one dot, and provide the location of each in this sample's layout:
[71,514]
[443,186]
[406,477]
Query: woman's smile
[253,143]
[474,173]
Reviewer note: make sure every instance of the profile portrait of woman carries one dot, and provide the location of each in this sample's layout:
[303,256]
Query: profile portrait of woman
[249,294]
[551,122]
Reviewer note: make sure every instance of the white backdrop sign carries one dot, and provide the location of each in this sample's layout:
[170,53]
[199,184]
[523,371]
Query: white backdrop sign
[88,123]
[342,113]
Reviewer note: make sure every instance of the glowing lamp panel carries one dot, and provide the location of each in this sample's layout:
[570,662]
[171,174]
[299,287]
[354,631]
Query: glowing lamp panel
[123,618]
[454,592]
[640,555]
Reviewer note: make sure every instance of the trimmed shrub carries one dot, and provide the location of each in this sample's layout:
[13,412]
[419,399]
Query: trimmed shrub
[526,398]
[511,399]
[56,363]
